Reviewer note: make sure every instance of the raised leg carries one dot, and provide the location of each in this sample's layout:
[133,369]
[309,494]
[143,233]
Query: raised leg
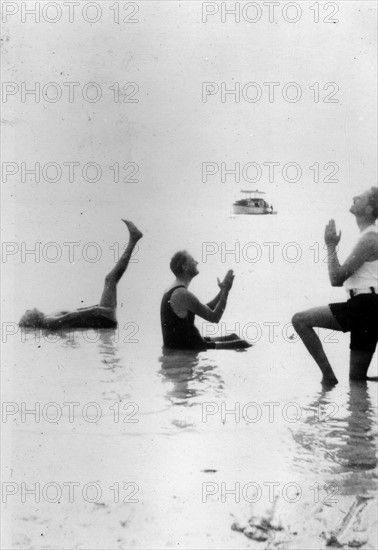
[109,294]
[303,323]
[359,363]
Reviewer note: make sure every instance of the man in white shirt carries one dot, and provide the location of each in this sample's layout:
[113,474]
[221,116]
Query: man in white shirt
[359,276]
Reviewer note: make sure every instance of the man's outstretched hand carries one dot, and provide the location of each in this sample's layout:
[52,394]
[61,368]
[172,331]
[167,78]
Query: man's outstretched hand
[330,235]
[226,284]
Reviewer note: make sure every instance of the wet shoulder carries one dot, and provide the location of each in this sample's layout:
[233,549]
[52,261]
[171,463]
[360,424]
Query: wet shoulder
[178,295]
[370,240]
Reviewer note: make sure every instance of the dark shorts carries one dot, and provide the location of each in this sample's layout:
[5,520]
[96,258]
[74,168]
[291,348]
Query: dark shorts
[359,316]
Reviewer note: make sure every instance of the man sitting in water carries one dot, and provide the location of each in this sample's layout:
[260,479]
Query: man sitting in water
[359,275]
[102,315]
[179,306]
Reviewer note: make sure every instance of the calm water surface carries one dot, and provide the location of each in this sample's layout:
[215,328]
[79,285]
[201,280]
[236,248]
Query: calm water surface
[171,422]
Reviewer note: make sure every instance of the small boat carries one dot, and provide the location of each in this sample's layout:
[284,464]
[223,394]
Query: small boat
[253,204]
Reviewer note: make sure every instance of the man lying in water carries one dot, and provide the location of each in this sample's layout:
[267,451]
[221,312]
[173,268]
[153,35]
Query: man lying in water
[179,307]
[102,315]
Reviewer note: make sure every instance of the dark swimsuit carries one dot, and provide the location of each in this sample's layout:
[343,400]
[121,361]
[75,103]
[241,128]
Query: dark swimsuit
[90,318]
[96,322]
[180,333]
[359,316]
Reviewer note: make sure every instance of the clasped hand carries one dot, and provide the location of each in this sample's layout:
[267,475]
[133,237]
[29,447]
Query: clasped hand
[330,235]
[226,284]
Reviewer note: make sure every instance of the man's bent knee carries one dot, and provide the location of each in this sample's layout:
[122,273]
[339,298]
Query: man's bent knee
[298,320]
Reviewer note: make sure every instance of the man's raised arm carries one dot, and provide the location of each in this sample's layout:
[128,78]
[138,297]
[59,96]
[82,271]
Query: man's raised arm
[214,315]
[365,250]
[228,278]
[214,301]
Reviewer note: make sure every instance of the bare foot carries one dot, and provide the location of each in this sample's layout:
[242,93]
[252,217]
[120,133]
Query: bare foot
[135,234]
[329,381]
[329,377]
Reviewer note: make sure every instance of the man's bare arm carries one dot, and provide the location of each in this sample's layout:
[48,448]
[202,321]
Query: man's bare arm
[214,301]
[226,283]
[192,303]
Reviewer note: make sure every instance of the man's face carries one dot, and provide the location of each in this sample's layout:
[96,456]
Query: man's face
[360,203]
[191,266]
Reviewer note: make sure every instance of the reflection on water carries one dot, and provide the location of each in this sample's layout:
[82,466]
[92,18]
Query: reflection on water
[191,374]
[359,451]
[108,349]
[338,440]
[332,444]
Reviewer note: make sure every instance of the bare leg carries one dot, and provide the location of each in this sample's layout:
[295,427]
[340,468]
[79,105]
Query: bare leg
[109,295]
[359,364]
[303,323]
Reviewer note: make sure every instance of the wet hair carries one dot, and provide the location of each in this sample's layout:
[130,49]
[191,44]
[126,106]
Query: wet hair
[177,262]
[32,318]
[373,201]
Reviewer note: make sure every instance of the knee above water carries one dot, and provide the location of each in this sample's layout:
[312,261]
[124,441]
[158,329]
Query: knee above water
[297,319]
